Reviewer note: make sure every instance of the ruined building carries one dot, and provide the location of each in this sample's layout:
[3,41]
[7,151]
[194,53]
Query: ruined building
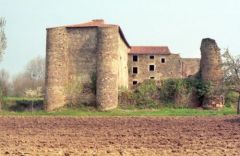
[157,62]
[98,56]
[212,72]
[80,53]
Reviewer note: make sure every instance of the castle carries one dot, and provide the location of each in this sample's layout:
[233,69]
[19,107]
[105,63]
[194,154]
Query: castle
[98,56]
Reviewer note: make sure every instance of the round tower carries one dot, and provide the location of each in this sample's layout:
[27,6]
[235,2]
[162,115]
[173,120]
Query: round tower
[107,67]
[212,72]
[56,68]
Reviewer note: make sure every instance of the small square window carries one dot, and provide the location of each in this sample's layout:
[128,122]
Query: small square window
[152,77]
[135,70]
[151,57]
[151,67]
[135,58]
[163,60]
[135,82]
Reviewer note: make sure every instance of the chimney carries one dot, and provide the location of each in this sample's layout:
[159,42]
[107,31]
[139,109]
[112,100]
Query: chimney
[99,21]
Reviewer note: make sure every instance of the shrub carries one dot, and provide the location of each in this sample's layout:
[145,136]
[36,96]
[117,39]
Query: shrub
[177,91]
[22,104]
[73,89]
[170,92]
[231,98]
[143,96]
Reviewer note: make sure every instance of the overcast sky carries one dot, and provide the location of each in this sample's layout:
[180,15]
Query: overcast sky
[179,24]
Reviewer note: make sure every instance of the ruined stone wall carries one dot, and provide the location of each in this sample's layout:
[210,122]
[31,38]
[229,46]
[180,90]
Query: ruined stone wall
[107,67]
[123,50]
[190,67]
[82,61]
[170,69]
[211,71]
[56,68]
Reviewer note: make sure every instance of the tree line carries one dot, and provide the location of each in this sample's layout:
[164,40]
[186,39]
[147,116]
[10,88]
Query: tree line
[32,77]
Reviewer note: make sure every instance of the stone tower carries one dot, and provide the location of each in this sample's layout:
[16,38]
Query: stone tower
[107,68]
[56,68]
[211,71]
[79,52]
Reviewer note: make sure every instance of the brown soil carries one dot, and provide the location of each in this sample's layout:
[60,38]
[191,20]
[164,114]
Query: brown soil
[69,136]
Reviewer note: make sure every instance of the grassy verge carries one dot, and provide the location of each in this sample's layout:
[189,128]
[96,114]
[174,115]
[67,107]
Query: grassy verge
[122,112]
[9,98]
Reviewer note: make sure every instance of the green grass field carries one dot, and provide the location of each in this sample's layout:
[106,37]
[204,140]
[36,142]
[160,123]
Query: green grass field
[90,111]
[123,112]
[9,98]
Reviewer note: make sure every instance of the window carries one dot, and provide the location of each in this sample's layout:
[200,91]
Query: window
[135,58]
[151,67]
[152,77]
[135,82]
[151,57]
[135,70]
[163,60]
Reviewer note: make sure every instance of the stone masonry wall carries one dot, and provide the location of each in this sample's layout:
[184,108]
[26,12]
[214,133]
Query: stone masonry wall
[123,64]
[56,68]
[107,67]
[190,66]
[211,71]
[82,65]
[170,69]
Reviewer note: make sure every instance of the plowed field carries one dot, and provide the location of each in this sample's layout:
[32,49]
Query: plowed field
[69,136]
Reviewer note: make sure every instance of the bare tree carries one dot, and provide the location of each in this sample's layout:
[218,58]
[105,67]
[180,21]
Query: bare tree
[3,42]
[32,77]
[4,82]
[20,83]
[3,45]
[231,66]
[35,70]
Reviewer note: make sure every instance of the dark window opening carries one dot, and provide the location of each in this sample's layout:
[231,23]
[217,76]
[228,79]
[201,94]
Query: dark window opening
[151,56]
[151,67]
[152,78]
[163,60]
[135,70]
[135,82]
[135,58]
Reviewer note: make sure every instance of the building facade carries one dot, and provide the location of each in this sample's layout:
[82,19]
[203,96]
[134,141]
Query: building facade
[158,63]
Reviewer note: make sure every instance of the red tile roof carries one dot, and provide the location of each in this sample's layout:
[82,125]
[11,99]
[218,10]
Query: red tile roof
[93,23]
[97,23]
[150,50]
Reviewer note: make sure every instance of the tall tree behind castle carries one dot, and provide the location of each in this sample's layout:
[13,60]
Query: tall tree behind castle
[3,45]
[3,42]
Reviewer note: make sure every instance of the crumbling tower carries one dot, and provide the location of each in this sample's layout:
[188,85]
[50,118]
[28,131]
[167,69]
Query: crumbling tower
[211,72]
